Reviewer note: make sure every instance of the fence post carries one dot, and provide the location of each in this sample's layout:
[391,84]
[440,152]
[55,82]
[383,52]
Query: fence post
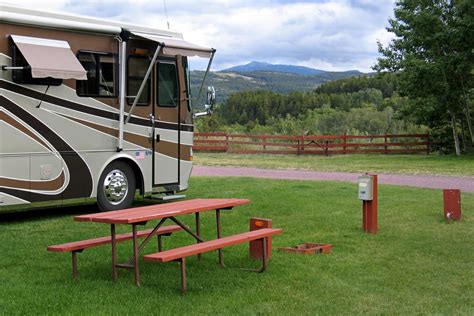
[326,149]
[302,142]
[427,137]
[264,143]
[226,142]
[385,144]
[344,141]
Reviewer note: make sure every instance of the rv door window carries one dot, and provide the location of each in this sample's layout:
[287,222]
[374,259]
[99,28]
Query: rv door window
[136,70]
[167,85]
[188,82]
[101,75]
[23,76]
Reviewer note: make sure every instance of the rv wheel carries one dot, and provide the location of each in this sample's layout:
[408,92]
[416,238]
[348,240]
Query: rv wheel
[116,187]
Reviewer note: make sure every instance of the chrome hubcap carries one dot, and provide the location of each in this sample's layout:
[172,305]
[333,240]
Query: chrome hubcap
[115,186]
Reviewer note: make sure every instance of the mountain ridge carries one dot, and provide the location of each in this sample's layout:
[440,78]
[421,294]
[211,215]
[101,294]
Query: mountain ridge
[281,68]
[227,83]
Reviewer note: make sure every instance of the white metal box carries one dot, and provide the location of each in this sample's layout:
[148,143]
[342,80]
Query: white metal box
[365,188]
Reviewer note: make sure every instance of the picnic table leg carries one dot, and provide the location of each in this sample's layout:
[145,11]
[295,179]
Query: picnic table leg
[114,252]
[264,257]
[74,265]
[135,255]
[198,231]
[183,275]
[264,254]
[160,243]
[143,244]
[186,228]
[219,231]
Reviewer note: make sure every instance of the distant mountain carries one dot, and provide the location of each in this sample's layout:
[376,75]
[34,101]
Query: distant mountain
[262,66]
[228,82]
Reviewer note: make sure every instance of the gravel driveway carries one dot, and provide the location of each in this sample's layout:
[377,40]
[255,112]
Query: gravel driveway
[466,184]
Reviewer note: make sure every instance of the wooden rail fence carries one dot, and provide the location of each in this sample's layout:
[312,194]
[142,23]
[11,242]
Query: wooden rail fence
[313,145]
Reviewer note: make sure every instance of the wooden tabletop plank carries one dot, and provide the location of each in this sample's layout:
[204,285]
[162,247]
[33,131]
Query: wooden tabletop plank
[149,212]
[132,210]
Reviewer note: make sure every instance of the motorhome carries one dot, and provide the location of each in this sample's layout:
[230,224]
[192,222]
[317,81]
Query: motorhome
[92,109]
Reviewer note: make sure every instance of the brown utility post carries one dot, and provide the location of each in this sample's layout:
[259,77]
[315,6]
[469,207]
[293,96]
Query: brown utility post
[452,204]
[368,193]
[255,247]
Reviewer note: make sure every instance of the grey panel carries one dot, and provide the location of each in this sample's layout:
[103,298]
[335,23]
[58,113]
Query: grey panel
[45,167]
[15,166]
[8,200]
[14,141]
[166,169]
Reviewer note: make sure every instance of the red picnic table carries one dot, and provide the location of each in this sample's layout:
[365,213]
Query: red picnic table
[141,215]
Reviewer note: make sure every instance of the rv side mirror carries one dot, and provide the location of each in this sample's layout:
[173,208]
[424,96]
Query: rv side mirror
[210,100]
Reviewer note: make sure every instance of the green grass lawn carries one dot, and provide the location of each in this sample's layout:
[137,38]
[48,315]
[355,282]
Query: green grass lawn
[416,264]
[407,164]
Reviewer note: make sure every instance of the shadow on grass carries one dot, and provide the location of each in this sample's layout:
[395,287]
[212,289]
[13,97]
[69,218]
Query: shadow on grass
[37,214]
[54,212]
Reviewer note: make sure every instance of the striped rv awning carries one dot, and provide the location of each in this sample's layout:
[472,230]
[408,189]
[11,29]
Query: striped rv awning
[176,46]
[50,58]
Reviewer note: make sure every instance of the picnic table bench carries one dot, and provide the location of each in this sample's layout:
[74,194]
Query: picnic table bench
[79,246]
[180,254]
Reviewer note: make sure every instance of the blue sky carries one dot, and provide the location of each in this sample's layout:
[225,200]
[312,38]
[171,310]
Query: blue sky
[325,34]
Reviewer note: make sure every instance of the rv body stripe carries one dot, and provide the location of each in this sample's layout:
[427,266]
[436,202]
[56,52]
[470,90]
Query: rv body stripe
[49,185]
[80,184]
[163,147]
[87,109]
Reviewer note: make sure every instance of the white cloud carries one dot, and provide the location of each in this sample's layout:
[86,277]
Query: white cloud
[50,5]
[325,34]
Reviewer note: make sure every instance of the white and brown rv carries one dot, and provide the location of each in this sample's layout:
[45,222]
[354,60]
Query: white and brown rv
[92,109]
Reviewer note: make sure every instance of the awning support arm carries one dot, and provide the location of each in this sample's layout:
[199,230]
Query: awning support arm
[123,60]
[145,79]
[13,68]
[205,74]
[45,92]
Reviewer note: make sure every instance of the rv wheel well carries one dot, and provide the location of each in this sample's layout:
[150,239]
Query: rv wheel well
[137,172]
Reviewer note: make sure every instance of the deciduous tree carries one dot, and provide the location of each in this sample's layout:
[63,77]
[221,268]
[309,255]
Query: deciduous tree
[432,53]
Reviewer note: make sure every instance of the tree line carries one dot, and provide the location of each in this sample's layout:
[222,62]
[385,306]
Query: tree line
[357,105]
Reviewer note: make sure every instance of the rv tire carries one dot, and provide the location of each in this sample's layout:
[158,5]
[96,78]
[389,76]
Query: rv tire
[116,187]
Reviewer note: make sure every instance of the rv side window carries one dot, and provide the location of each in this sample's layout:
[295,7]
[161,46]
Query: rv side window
[101,75]
[23,76]
[167,85]
[136,70]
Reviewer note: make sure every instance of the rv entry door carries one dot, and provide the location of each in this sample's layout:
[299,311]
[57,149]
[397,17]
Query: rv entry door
[166,167]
